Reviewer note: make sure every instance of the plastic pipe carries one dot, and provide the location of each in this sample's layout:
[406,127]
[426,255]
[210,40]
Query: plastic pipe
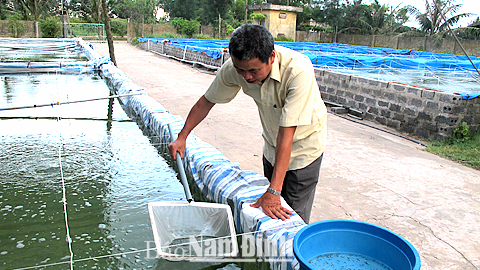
[181,169]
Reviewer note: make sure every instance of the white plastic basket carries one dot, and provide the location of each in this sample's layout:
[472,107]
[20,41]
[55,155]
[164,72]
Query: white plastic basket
[183,230]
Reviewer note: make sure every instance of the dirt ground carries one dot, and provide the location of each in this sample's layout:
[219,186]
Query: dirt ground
[366,174]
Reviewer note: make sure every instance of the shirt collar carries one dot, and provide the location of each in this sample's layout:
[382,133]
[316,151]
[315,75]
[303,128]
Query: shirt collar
[275,72]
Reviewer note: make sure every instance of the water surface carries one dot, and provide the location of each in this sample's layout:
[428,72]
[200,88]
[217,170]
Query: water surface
[110,170]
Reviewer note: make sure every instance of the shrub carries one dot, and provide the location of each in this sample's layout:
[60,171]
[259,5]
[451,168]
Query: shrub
[230,29]
[191,28]
[202,36]
[462,133]
[118,27]
[15,27]
[259,17]
[186,27]
[50,27]
[164,35]
[283,38]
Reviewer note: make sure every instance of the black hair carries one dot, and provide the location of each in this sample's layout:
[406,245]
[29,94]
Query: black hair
[251,41]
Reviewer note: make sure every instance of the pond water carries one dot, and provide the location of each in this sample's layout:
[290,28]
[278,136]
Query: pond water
[346,261]
[110,172]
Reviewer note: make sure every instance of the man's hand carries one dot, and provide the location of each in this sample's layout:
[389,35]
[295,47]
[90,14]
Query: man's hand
[179,145]
[270,203]
[272,206]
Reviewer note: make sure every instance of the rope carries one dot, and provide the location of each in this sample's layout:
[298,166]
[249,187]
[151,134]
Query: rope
[64,200]
[61,118]
[68,102]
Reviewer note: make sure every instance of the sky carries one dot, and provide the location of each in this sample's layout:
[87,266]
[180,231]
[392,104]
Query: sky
[468,6]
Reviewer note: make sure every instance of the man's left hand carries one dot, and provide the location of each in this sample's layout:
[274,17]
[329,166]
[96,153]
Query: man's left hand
[272,206]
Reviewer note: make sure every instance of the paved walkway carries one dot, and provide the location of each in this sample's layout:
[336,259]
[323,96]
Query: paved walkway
[366,174]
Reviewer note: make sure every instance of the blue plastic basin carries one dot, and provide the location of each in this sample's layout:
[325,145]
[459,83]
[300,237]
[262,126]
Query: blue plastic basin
[344,244]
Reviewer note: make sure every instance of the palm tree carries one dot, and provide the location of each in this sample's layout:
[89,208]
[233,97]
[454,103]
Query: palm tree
[375,19]
[472,31]
[439,15]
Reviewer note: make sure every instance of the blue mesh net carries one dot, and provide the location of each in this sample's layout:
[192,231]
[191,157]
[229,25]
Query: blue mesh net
[439,71]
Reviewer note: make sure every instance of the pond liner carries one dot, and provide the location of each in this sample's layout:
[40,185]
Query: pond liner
[220,180]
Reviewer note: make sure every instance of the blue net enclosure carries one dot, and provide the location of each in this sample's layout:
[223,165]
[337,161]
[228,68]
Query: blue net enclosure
[437,71]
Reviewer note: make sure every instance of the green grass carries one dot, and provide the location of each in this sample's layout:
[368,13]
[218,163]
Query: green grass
[461,149]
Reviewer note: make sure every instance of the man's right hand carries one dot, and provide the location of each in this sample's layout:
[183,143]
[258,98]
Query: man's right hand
[179,145]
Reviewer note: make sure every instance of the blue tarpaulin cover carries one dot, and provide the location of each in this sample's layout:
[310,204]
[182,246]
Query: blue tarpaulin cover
[212,48]
[328,54]
[469,96]
[439,71]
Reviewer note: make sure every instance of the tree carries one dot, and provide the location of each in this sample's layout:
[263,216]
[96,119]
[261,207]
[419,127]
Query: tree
[5,9]
[35,8]
[438,17]
[106,19]
[333,14]
[237,12]
[181,8]
[88,10]
[138,10]
[472,31]
[383,19]
[395,20]
[211,9]
[354,17]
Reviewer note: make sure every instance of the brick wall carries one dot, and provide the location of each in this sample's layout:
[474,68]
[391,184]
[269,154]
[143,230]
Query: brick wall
[416,111]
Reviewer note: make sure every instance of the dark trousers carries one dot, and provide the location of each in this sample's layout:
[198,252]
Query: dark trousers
[299,186]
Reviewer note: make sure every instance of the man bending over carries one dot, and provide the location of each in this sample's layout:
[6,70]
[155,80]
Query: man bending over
[293,116]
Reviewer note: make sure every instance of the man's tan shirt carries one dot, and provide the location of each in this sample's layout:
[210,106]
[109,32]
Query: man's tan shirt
[289,96]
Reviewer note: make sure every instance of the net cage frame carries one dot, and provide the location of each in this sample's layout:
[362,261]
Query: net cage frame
[217,213]
[422,69]
[437,71]
[31,55]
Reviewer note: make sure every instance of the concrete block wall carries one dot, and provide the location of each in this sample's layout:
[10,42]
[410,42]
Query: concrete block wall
[28,27]
[420,112]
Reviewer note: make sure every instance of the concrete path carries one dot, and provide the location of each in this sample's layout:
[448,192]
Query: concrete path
[367,174]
